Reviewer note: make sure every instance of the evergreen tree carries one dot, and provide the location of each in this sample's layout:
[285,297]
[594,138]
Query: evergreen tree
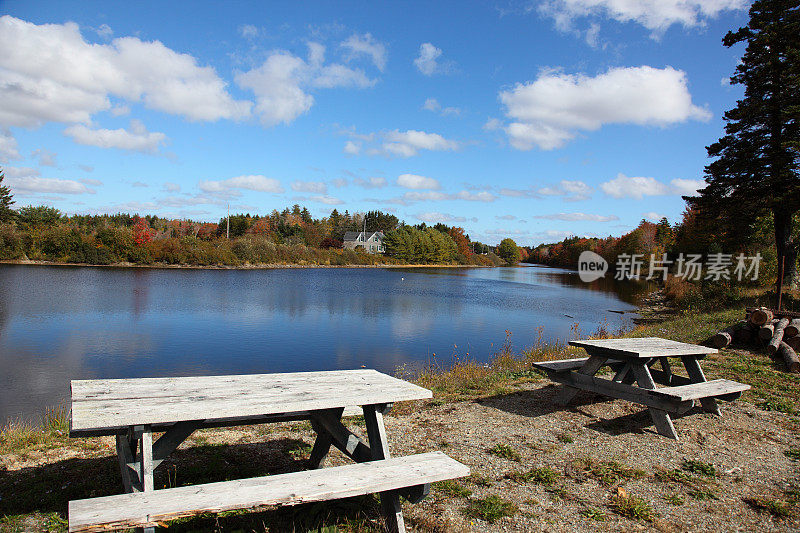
[6,214]
[757,164]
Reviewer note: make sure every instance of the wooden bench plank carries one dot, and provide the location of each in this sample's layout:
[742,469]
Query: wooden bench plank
[147,509]
[566,365]
[114,403]
[716,388]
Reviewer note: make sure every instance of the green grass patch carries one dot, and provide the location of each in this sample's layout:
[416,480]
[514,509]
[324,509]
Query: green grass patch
[699,467]
[782,405]
[674,499]
[632,507]
[702,494]
[793,454]
[595,514]
[452,488]
[479,480]
[504,451]
[674,475]
[774,507]
[607,472]
[541,476]
[566,438]
[490,509]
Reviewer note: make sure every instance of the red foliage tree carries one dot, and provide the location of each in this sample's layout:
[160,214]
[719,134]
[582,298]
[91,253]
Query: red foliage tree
[462,242]
[142,234]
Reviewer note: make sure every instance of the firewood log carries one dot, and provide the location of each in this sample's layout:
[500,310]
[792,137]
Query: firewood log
[792,329]
[777,336]
[726,336]
[760,316]
[789,357]
[766,331]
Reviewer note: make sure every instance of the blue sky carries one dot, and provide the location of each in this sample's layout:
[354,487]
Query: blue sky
[533,120]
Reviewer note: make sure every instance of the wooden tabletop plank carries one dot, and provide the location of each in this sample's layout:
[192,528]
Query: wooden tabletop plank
[149,508]
[111,403]
[644,347]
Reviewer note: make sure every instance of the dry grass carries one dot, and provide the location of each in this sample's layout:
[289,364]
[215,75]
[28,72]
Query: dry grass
[21,434]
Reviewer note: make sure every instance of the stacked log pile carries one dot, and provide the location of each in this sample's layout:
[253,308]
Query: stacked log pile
[778,330]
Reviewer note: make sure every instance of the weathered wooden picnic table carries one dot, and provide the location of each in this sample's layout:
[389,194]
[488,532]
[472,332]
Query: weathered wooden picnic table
[635,380]
[135,409]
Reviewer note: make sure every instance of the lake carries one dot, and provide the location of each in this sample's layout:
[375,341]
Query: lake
[59,323]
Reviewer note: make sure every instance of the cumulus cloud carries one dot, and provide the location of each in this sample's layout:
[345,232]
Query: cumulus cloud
[550,111]
[8,146]
[46,157]
[408,143]
[434,217]
[367,45]
[570,190]
[653,216]
[249,182]
[413,181]
[310,186]
[50,73]
[375,182]
[427,61]
[138,139]
[687,187]
[432,104]
[633,187]
[482,196]
[578,216]
[281,82]
[139,184]
[24,180]
[92,182]
[352,148]
[655,15]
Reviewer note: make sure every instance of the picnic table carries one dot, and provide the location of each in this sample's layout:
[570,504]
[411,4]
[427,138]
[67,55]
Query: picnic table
[134,409]
[635,379]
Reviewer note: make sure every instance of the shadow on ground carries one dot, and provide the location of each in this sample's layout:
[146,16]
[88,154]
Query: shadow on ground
[48,488]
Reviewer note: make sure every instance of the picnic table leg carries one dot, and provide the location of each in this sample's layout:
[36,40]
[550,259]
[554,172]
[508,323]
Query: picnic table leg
[589,368]
[379,448]
[145,457]
[697,376]
[324,440]
[661,418]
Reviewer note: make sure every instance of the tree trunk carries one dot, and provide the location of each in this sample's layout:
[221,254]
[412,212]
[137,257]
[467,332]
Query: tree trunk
[783,244]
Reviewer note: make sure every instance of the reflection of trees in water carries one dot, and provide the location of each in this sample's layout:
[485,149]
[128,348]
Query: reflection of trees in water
[628,291]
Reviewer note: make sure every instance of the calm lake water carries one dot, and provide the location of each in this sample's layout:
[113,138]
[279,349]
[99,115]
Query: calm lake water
[63,323]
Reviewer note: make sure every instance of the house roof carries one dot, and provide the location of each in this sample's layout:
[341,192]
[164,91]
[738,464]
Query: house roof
[353,235]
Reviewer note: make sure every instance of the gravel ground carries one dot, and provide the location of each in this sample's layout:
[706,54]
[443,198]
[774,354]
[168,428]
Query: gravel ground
[746,447]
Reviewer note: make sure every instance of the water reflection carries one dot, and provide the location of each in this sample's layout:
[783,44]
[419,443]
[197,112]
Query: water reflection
[62,323]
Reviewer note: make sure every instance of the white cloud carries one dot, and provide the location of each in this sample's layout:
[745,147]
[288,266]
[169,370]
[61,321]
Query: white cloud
[138,139]
[250,182]
[493,124]
[424,196]
[171,187]
[50,73]
[8,146]
[633,187]
[432,104]
[310,186]
[570,190]
[248,31]
[413,181]
[366,45]
[352,148]
[25,180]
[280,83]
[482,196]
[578,216]
[434,217]
[46,157]
[687,187]
[374,182]
[105,31]
[339,182]
[638,187]
[505,217]
[139,184]
[427,61]
[321,198]
[408,143]
[653,216]
[92,182]
[655,15]
[550,111]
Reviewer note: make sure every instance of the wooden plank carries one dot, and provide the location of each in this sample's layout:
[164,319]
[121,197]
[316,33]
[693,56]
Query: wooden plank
[147,509]
[110,404]
[606,387]
[641,347]
[708,389]
[589,368]
[562,365]
[661,419]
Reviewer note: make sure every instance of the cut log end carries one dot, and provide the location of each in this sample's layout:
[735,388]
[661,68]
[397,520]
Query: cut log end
[760,316]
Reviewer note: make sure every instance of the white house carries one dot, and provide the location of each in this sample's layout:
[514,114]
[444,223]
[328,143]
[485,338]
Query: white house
[371,241]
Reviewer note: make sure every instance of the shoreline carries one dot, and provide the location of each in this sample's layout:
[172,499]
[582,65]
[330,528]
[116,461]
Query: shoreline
[266,266]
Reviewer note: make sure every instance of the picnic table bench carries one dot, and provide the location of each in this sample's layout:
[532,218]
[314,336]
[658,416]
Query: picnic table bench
[134,409]
[634,379]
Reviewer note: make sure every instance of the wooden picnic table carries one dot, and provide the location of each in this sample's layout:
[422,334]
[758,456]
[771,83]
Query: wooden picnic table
[635,380]
[134,409]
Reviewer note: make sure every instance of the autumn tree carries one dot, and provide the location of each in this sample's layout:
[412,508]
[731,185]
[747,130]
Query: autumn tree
[756,168]
[508,251]
[462,241]
[142,234]
[6,200]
